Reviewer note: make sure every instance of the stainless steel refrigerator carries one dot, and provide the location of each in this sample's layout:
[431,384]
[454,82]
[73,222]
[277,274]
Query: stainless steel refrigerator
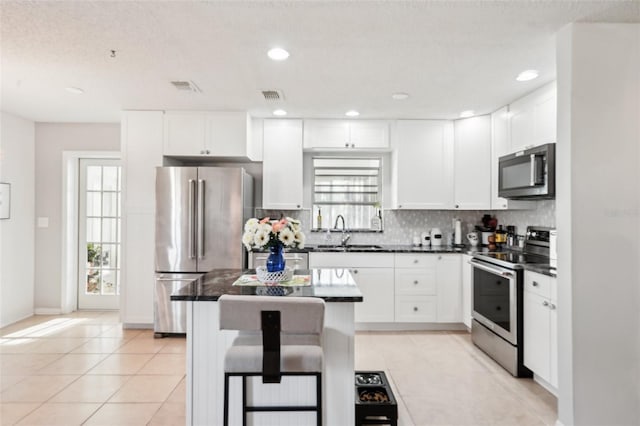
[200,215]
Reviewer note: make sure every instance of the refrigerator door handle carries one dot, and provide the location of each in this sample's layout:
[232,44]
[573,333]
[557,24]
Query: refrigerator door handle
[200,214]
[192,214]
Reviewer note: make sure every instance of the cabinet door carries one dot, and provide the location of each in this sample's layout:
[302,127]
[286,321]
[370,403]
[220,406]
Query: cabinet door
[369,134]
[472,156]
[553,333]
[326,134]
[424,164]
[533,119]
[449,288]
[536,326]
[282,165]
[466,290]
[377,287]
[501,145]
[185,133]
[545,117]
[521,127]
[227,134]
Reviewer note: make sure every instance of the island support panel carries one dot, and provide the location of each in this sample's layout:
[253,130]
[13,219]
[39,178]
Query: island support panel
[207,345]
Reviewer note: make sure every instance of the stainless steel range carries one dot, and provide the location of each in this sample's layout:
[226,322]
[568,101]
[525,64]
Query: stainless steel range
[497,289]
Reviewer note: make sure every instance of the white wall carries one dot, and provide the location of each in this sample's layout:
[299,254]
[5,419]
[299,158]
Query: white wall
[599,224]
[17,233]
[51,139]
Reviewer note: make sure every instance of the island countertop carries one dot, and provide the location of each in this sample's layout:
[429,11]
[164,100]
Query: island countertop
[332,285]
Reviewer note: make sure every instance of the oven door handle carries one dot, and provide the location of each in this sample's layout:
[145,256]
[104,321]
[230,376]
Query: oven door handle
[494,270]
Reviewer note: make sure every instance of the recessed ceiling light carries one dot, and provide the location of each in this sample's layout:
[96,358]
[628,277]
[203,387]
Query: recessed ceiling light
[74,90]
[527,75]
[279,112]
[400,96]
[278,54]
[352,113]
[466,114]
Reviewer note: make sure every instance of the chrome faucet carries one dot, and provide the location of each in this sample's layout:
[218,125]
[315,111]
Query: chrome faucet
[345,238]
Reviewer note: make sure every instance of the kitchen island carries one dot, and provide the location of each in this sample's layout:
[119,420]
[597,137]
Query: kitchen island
[207,344]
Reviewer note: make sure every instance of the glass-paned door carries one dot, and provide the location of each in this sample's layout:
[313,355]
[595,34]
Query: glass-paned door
[99,232]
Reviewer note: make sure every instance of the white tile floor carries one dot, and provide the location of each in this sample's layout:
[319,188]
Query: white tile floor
[84,368]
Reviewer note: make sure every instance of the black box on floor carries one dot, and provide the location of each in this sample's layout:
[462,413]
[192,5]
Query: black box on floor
[375,403]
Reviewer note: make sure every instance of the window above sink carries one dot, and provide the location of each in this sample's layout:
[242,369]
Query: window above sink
[347,186]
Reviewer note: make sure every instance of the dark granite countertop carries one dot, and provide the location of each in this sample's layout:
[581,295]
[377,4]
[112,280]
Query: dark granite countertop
[541,268]
[376,248]
[332,285]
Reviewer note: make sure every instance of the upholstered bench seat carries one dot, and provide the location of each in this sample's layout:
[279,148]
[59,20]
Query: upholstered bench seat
[293,358]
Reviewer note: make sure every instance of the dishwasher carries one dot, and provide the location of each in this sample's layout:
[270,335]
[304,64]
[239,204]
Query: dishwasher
[293,260]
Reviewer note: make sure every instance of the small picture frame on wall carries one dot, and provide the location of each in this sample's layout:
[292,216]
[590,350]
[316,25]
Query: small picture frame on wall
[5,200]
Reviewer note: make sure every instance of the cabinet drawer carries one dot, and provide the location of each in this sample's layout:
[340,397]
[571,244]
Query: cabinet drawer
[416,308]
[410,260]
[413,281]
[350,260]
[538,284]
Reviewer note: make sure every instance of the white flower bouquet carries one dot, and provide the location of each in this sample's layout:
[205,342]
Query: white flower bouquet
[266,233]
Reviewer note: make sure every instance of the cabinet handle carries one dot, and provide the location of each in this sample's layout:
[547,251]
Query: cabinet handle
[504,206]
[457,206]
[202,151]
[355,271]
[415,260]
[415,309]
[346,145]
[415,282]
[207,152]
[353,145]
[535,284]
[297,205]
[439,257]
[552,306]
[399,206]
[545,303]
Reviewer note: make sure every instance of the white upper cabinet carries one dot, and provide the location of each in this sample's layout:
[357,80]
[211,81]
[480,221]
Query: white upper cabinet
[346,134]
[472,168]
[501,145]
[423,164]
[282,165]
[533,119]
[211,134]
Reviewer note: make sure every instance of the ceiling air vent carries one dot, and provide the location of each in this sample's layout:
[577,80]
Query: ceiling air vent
[186,86]
[273,95]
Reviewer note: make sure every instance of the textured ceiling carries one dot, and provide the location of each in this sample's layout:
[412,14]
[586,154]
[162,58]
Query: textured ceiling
[448,55]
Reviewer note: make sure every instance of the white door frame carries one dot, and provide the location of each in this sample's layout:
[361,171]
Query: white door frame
[70,195]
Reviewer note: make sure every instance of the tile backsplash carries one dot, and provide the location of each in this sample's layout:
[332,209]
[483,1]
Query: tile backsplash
[401,225]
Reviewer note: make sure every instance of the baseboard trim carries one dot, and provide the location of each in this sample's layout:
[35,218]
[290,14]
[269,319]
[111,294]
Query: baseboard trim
[13,321]
[48,311]
[409,326]
[137,326]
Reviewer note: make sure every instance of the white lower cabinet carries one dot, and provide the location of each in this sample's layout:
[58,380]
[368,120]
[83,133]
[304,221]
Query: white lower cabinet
[540,324]
[376,285]
[467,274]
[428,288]
[449,288]
[401,287]
[374,274]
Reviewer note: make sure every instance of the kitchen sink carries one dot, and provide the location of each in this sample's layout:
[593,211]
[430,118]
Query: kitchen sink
[350,247]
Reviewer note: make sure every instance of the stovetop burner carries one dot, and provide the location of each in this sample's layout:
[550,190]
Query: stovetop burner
[536,251]
[516,257]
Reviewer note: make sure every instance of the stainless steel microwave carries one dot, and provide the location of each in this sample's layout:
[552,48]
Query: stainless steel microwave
[528,174]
